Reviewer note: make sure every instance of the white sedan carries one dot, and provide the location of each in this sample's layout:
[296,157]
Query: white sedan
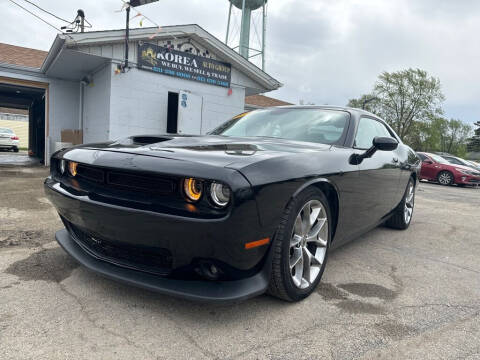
[8,139]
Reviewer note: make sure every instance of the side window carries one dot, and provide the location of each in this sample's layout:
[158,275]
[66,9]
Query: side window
[453,161]
[422,157]
[367,130]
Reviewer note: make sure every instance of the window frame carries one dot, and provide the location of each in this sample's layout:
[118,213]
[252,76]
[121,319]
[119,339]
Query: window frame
[389,130]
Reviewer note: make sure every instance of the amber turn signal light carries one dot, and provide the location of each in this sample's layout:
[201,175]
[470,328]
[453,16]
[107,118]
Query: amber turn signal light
[257,243]
[72,168]
[193,189]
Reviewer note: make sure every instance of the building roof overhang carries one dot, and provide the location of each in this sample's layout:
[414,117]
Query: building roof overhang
[63,42]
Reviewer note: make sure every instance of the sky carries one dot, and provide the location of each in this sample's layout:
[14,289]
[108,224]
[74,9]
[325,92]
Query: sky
[323,51]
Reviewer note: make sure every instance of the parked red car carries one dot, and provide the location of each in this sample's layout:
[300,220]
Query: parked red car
[436,168]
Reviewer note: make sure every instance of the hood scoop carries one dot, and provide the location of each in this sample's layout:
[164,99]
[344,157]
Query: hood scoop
[141,140]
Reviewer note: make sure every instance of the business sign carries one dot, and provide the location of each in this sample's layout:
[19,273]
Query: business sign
[183,65]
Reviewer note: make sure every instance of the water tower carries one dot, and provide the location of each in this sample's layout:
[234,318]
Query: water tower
[241,24]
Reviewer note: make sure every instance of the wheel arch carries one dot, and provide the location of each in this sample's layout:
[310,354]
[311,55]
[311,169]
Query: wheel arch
[447,171]
[331,193]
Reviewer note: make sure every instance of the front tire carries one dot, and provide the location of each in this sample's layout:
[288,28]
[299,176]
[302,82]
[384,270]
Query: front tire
[402,216]
[445,178]
[15,149]
[300,246]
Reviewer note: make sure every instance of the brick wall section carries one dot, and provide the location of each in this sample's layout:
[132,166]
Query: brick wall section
[264,101]
[17,55]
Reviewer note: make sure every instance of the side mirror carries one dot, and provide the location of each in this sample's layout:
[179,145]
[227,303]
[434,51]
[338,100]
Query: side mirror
[385,143]
[427,161]
[378,143]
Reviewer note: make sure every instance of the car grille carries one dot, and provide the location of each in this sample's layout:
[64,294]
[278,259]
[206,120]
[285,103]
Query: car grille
[126,181]
[157,261]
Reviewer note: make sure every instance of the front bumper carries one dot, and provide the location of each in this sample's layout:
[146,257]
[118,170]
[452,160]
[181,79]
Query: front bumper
[467,180]
[189,243]
[208,291]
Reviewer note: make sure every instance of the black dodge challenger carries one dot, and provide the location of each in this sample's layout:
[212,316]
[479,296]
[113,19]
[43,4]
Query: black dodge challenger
[255,206]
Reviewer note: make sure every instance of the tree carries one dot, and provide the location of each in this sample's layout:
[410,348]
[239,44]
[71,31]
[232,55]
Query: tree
[404,98]
[440,134]
[428,135]
[473,144]
[368,102]
[455,138]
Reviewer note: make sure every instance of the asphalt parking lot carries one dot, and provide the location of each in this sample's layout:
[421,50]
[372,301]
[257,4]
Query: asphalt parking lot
[391,294]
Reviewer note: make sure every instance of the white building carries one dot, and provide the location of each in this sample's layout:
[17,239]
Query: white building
[180,79]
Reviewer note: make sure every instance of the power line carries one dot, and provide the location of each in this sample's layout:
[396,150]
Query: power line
[48,12]
[38,17]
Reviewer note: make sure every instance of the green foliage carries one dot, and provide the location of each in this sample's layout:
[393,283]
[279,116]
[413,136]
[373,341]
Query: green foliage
[411,102]
[473,144]
[440,134]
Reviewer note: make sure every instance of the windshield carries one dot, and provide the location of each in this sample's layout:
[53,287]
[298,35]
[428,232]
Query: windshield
[463,162]
[313,125]
[5,130]
[438,159]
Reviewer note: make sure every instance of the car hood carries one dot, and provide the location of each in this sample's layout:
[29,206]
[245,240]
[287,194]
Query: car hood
[209,149]
[463,167]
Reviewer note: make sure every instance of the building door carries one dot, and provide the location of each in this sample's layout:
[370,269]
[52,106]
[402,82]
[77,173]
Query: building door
[190,114]
[172,113]
[33,97]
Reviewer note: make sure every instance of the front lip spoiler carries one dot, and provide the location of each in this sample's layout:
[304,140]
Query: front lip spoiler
[203,291]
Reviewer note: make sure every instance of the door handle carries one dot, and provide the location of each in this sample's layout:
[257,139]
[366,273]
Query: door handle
[395,160]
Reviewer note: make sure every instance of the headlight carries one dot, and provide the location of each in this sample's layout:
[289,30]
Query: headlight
[220,194]
[61,166]
[72,168]
[193,189]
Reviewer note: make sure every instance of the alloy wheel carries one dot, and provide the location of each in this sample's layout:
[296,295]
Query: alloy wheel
[308,244]
[409,203]
[445,178]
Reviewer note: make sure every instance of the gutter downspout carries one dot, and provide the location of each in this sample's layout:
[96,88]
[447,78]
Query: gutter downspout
[81,108]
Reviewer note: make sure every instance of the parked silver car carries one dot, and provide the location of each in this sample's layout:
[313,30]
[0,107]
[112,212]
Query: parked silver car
[8,139]
[459,161]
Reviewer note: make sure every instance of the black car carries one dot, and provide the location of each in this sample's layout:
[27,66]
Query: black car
[253,207]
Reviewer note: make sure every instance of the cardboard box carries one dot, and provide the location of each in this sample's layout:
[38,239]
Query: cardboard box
[72,136]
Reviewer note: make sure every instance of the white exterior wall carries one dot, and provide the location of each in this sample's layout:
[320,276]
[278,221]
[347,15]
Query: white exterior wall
[139,100]
[96,107]
[64,99]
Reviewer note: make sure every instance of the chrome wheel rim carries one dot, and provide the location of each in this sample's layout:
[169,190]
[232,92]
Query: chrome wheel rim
[409,203]
[308,244]
[444,178]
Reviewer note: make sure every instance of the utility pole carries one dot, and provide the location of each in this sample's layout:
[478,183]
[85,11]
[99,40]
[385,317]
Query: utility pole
[81,15]
[127,30]
[131,3]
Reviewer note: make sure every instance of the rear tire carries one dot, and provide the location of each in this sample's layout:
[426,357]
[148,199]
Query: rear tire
[300,246]
[445,178]
[402,216]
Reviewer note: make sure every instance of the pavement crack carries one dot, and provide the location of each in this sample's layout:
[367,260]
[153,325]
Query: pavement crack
[295,335]
[412,253]
[205,352]
[92,321]
[458,306]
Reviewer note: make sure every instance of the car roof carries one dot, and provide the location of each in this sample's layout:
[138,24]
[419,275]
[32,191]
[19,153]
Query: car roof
[329,107]
[427,153]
